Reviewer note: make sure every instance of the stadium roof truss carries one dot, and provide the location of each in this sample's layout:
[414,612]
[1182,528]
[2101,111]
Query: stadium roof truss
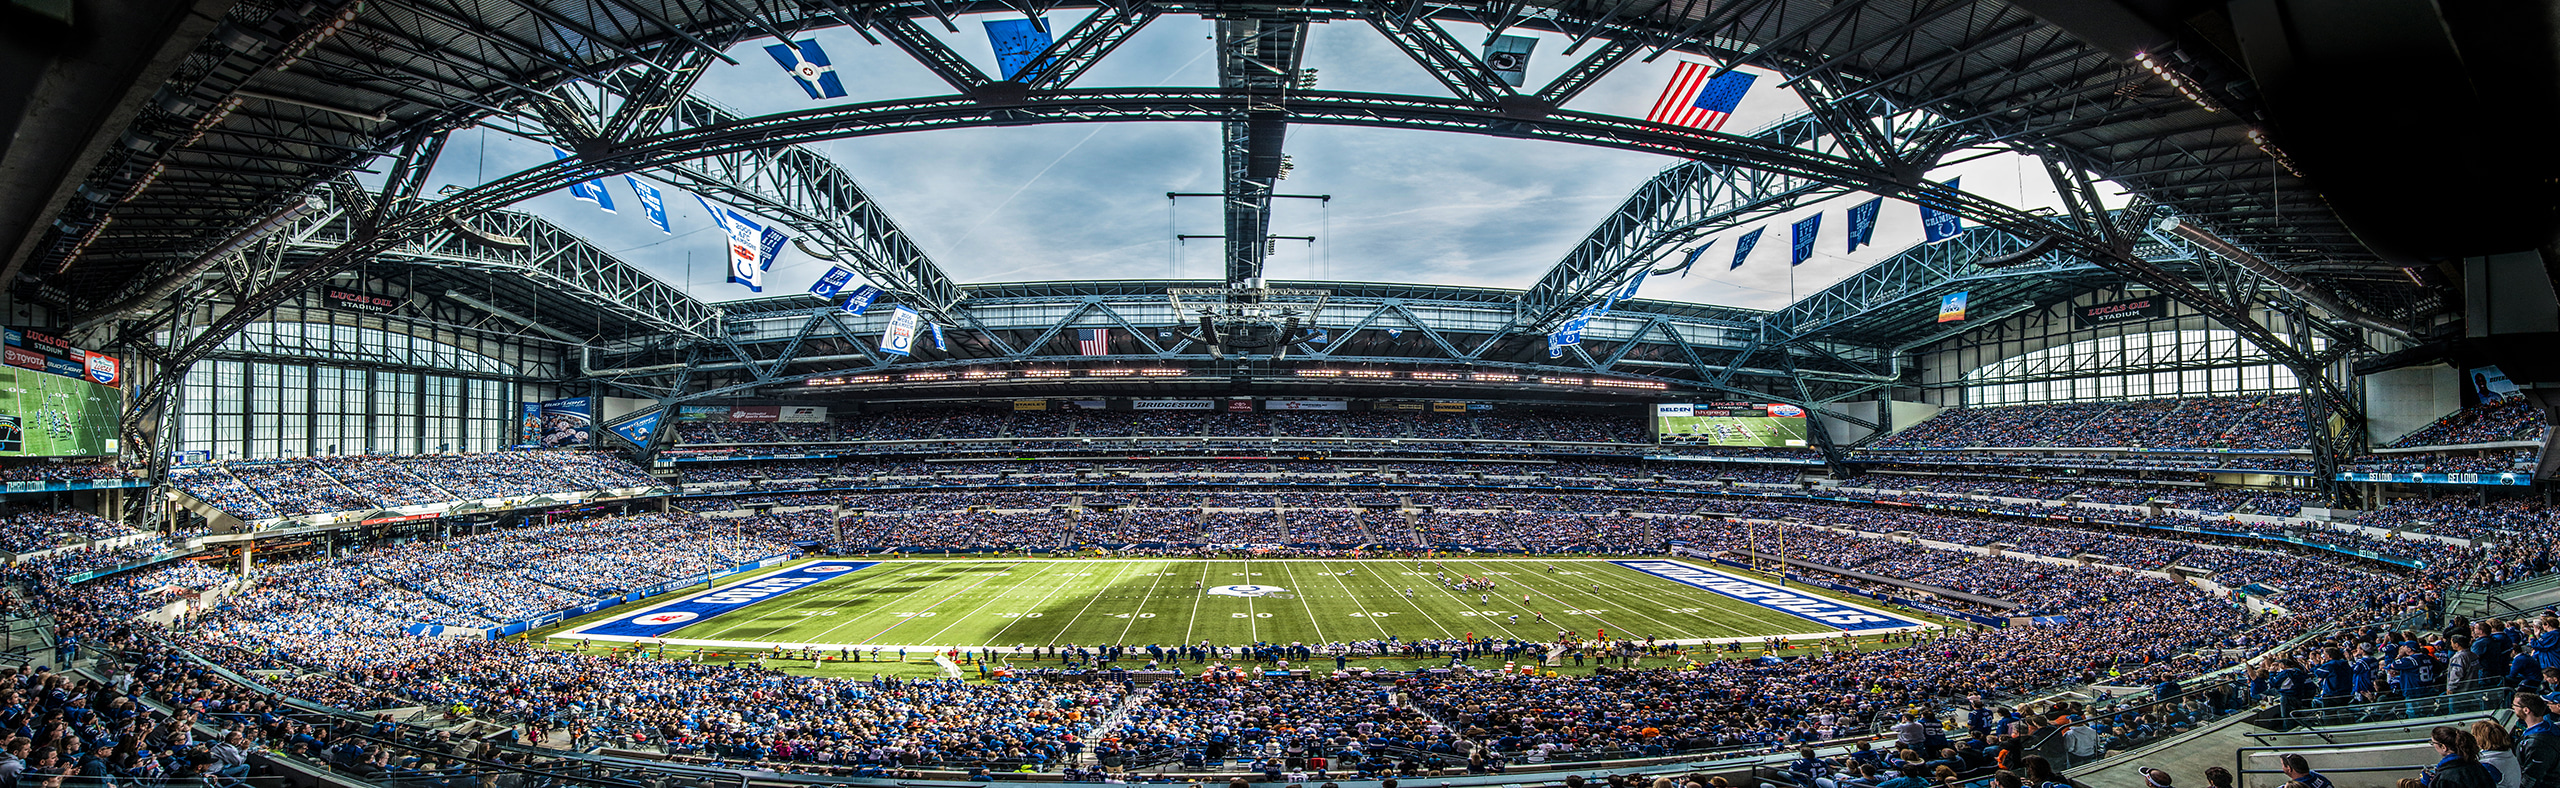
[284,102]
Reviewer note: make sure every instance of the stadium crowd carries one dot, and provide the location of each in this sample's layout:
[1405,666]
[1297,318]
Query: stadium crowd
[983,424]
[258,490]
[2246,422]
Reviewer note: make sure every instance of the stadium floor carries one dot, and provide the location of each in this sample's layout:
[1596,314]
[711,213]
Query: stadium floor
[1012,603]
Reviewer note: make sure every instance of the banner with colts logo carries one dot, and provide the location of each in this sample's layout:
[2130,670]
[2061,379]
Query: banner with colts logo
[658,621]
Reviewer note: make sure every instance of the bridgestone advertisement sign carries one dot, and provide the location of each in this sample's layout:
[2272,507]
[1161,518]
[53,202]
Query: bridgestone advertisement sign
[1173,404]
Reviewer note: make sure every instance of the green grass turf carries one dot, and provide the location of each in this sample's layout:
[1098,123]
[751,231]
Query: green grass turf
[1014,602]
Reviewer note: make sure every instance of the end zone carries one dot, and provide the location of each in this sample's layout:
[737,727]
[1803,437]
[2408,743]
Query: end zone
[1842,616]
[660,620]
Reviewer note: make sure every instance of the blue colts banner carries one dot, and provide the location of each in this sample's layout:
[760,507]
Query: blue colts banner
[833,282]
[1862,223]
[659,621]
[769,247]
[1836,615]
[1939,224]
[1742,247]
[861,299]
[588,190]
[651,203]
[937,336]
[1016,42]
[1804,232]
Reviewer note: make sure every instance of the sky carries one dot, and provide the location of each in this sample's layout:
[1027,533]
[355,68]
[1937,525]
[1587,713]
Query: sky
[1087,200]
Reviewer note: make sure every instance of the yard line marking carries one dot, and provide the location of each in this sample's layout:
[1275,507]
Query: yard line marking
[1251,629]
[875,636]
[1462,603]
[848,600]
[973,612]
[1533,587]
[1711,603]
[1071,620]
[1373,621]
[1302,602]
[855,581]
[1142,602]
[1194,622]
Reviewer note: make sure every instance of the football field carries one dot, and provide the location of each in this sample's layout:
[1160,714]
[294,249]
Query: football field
[1038,602]
[1736,430]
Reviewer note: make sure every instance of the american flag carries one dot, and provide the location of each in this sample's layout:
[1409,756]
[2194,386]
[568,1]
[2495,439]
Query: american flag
[1695,101]
[1093,341]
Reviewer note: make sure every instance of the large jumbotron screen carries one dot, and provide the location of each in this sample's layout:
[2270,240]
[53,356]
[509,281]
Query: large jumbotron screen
[1731,424]
[48,415]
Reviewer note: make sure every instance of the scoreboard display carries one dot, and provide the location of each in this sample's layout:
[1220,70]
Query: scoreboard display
[1770,424]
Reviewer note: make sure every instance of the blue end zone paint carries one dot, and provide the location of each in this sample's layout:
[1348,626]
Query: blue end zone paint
[663,619]
[1806,606]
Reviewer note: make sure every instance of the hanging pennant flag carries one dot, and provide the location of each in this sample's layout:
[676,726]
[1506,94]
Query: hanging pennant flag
[651,203]
[937,337]
[1686,262]
[1395,333]
[808,64]
[746,257]
[1321,336]
[1508,56]
[589,190]
[1742,247]
[1632,284]
[831,283]
[900,337]
[861,299]
[1695,101]
[1951,306]
[1555,346]
[1017,41]
[1862,223]
[719,216]
[769,246]
[1940,225]
[1805,230]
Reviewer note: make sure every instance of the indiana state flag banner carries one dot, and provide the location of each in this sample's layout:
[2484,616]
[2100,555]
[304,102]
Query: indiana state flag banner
[808,64]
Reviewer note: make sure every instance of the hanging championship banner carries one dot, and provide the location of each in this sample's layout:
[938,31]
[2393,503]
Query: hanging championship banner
[746,252]
[900,337]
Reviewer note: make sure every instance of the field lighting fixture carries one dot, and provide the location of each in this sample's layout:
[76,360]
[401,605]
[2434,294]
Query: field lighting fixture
[1249,319]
